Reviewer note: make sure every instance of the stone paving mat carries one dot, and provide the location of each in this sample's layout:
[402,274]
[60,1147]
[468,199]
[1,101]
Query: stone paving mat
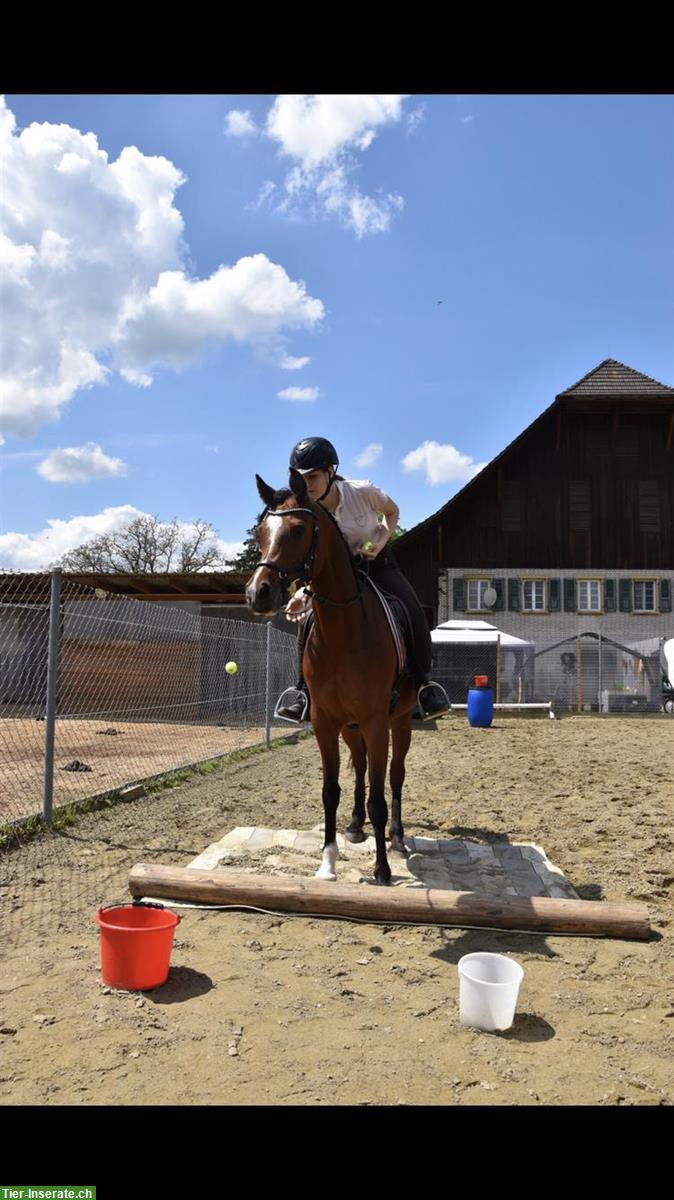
[457,864]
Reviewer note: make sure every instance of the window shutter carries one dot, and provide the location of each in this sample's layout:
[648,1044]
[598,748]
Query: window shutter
[499,587]
[609,595]
[554,595]
[570,603]
[510,507]
[649,506]
[579,505]
[625,595]
[514,595]
[665,596]
[458,595]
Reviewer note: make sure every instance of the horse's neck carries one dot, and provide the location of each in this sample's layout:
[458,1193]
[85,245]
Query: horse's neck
[334,578]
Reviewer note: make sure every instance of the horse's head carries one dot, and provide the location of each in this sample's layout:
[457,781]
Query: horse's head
[287,534]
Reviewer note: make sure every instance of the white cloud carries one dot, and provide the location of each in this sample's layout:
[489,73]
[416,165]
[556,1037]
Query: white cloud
[323,134]
[369,455]
[298,393]
[314,129]
[36,551]
[79,464]
[288,363]
[94,276]
[415,118]
[229,550]
[239,124]
[442,463]
[468,119]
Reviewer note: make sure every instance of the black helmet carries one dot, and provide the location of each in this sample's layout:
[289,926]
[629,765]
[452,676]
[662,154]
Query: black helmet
[314,454]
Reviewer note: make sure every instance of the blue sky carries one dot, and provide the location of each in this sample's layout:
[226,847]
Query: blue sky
[173,259]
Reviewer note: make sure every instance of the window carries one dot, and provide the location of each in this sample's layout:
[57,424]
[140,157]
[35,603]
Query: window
[476,590]
[644,595]
[589,595]
[534,595]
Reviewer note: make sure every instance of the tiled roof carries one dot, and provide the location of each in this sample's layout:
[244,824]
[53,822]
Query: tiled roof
[612,378]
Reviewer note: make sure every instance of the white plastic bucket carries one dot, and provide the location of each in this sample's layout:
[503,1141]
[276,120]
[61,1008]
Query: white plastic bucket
[489,985]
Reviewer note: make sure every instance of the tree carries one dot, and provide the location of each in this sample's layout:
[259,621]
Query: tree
[397,532]
[150,546]
[250,556]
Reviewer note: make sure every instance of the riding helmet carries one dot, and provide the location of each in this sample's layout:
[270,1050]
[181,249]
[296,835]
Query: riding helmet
[313,454]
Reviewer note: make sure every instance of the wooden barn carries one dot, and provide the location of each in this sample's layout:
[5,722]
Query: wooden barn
[570,528]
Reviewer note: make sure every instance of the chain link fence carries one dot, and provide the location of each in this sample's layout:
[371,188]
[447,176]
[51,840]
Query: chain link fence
[583,672]
[100,692]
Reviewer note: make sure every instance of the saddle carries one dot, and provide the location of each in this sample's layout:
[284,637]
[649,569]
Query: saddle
[400,624]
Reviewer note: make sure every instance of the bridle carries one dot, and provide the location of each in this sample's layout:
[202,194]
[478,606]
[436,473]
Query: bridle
[304,568]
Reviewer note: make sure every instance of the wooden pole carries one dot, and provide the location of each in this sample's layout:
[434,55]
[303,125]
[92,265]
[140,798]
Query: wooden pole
[498,668]
[422,906]
[579,675]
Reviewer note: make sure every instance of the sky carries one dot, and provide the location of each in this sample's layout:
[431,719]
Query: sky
[193,283]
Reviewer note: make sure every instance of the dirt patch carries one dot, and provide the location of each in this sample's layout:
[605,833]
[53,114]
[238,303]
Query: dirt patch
[108,755]
[289,1010]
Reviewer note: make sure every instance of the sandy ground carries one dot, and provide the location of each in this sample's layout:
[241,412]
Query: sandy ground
[118,752]
[278,1010]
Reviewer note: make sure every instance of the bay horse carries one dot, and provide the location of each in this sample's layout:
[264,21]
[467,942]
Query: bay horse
[350,664]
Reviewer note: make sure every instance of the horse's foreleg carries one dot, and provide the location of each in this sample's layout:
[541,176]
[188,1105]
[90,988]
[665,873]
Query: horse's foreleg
[376,740]
[327,736]
[401,736]
[356,745]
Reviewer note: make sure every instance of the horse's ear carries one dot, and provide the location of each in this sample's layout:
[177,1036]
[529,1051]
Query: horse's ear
[297,484]
[266,492]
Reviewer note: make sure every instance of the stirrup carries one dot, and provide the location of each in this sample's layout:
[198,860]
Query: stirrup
[440,712]
[294,695]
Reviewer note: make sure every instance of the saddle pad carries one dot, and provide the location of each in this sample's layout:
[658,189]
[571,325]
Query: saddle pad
[387,604]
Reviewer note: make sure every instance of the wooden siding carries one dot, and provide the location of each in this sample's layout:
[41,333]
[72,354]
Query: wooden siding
[581,488]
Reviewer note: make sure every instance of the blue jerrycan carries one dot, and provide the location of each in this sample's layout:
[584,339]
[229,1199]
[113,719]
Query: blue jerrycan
[480,703]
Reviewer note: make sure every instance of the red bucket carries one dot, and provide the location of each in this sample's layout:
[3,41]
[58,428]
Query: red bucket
[136,944]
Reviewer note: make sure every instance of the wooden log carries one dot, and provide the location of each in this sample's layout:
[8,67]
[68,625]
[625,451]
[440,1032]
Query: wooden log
[423,906]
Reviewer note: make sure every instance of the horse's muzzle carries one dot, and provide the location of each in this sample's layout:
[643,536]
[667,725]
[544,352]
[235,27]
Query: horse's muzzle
[263,596]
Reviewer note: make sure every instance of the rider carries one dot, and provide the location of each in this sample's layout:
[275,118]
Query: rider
[356,506]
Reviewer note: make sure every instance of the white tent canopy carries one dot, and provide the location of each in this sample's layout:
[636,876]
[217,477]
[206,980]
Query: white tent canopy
[475,633]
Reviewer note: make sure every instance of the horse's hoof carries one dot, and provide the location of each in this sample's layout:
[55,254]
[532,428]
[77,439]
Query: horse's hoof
[355,835]
[399,848]
[382,880]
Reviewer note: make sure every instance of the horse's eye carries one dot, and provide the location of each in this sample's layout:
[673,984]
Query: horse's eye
[298,531]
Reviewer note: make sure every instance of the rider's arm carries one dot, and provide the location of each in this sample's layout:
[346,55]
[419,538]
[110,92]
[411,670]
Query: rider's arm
[382,503]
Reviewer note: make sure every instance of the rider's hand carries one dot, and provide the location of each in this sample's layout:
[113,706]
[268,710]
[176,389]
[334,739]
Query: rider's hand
[296,609]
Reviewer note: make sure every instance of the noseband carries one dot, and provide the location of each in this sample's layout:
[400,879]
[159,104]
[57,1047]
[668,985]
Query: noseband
[303,569]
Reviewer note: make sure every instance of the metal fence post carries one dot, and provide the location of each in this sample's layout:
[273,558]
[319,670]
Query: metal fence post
[267,702]
[52,680]
[600,675]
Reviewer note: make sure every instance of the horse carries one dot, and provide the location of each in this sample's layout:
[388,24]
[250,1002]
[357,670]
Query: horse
[350,664]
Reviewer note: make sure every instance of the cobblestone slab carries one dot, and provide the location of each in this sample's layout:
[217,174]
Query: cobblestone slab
[459,864]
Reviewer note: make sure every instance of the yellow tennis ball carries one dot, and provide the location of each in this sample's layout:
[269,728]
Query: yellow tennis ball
[368,546]
[231,668]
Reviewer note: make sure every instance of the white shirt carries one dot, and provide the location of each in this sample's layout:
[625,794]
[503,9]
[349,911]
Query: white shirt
[356,514]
